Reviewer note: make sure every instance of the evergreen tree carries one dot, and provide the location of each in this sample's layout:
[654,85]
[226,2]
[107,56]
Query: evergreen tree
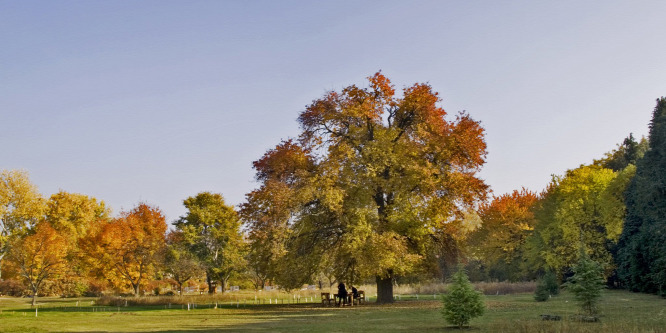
[629,152]
[546,287]
[462,302]
[587,283]
[641,254]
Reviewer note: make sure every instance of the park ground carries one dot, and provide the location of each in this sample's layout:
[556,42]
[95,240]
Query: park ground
[621,311]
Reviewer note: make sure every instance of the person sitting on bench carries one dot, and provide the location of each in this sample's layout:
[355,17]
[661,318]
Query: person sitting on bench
[355,295]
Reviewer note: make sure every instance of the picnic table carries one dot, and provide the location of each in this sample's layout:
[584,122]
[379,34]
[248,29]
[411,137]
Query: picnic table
[350,299]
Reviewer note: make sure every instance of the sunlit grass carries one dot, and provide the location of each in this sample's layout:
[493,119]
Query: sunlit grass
[621,312]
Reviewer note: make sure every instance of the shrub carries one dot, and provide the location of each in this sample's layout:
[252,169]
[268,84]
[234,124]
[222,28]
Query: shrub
[546,287]
[95,289]
[462,302]
[11,288]
[541,294]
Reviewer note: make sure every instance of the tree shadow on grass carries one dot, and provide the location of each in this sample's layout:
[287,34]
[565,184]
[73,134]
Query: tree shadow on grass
[463,329]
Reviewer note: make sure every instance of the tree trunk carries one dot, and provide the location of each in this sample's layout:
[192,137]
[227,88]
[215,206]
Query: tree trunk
[34,298]
[223,284]
[384,289]
[2,255]
[180,289]
[136,289]
[211,284]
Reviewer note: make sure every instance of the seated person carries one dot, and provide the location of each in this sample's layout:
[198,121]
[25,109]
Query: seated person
[354,292]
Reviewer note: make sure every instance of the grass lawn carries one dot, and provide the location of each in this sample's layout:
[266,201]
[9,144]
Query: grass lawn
[621,312]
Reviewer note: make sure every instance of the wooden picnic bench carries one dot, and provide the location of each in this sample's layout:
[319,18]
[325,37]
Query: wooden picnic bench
[360,298]
[340,301]
[326,298]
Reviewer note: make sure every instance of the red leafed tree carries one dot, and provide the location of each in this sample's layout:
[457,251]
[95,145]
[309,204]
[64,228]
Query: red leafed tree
[507,221]
[269,209]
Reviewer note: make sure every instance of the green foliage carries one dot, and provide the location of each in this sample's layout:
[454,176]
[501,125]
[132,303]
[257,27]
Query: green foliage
[586,284]
[211,229]
[541,294]
[462,302]
[180,263]
[628,153]
[584,204]
[546,287]
[642,246]
[551,283]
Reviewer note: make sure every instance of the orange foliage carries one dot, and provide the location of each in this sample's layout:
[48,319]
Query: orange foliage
[126,250]
[40,256]
[507,221]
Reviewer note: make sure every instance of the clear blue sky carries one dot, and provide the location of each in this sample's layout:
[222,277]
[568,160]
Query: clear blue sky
[156,101]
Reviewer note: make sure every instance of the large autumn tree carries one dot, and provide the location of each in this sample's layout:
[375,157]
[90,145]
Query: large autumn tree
[73,216]
[126,250]
[211,228]
[391,177]
[21,208]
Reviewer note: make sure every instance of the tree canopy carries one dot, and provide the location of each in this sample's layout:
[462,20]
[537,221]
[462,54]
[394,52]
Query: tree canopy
[580,208]
[39,256]
[499,243]
[128,249]
[379,179]
[21,207]
[211,229]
